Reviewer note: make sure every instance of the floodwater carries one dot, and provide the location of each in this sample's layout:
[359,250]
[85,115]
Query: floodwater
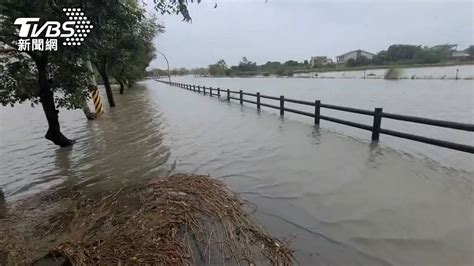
[341,200]
[435,72]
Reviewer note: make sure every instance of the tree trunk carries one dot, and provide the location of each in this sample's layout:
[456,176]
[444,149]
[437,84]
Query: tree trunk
[47,101]
[122,86]
[108,89]
[3,208]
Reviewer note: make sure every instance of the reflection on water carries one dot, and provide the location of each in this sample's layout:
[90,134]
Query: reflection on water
[450,100]
[125,145]
[346,202]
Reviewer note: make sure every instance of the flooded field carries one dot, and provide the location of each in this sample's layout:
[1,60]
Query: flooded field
[342,200]
[435,72]
[450,100]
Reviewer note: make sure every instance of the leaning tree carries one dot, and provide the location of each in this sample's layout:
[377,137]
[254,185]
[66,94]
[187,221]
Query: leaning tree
[57,79]
[52,78]
[137,51]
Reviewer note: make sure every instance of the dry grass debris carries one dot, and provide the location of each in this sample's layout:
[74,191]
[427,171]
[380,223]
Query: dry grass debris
[178,220]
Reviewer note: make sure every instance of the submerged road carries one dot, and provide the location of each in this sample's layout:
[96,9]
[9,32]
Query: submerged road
[340,200]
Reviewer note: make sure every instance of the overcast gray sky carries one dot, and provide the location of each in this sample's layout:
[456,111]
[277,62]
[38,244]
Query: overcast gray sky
[280,30]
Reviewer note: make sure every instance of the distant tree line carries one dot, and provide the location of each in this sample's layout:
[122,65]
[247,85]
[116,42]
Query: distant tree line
[414,54]
[244,68]
[397,54]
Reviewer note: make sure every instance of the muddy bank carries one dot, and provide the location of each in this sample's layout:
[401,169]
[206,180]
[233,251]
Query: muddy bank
[181,219]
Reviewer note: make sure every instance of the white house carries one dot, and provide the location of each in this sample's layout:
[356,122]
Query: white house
[459,54]
[343,58]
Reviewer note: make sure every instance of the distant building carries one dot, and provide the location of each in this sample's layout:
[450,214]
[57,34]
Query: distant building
[343,58]
[451,50]
[320,61]
[447,47]
[459,54]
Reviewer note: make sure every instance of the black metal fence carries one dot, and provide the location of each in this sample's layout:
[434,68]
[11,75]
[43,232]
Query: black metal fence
[377,115]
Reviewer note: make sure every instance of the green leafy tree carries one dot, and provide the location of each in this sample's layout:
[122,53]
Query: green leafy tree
[291,63]
[247,66]
[41,76]
[59,79]
[280,72]
[428,56]
[381,58]
[218,69]
[136,52]
[400,52]
[413,54]
[201,71]
[110,36]
[362,61]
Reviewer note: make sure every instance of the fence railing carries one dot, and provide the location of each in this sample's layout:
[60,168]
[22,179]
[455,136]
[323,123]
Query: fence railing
[377,115]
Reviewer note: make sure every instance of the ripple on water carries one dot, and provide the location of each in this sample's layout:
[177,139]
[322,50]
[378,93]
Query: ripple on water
[360,201]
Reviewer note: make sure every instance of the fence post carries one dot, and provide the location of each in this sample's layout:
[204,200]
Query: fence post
[210,91]
[194,88]
[258,100]
[204,89]
[218,92]
[241,98]
[317,111]
[377,123]
[199,89]
[282,105]
[228,95]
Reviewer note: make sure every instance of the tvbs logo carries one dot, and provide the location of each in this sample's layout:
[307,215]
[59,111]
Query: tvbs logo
[36,37]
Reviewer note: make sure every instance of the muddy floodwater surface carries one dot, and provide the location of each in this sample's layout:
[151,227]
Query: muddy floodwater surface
[342,200]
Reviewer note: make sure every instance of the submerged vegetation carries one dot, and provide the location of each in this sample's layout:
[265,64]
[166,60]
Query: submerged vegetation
[177,220]
[392,73]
